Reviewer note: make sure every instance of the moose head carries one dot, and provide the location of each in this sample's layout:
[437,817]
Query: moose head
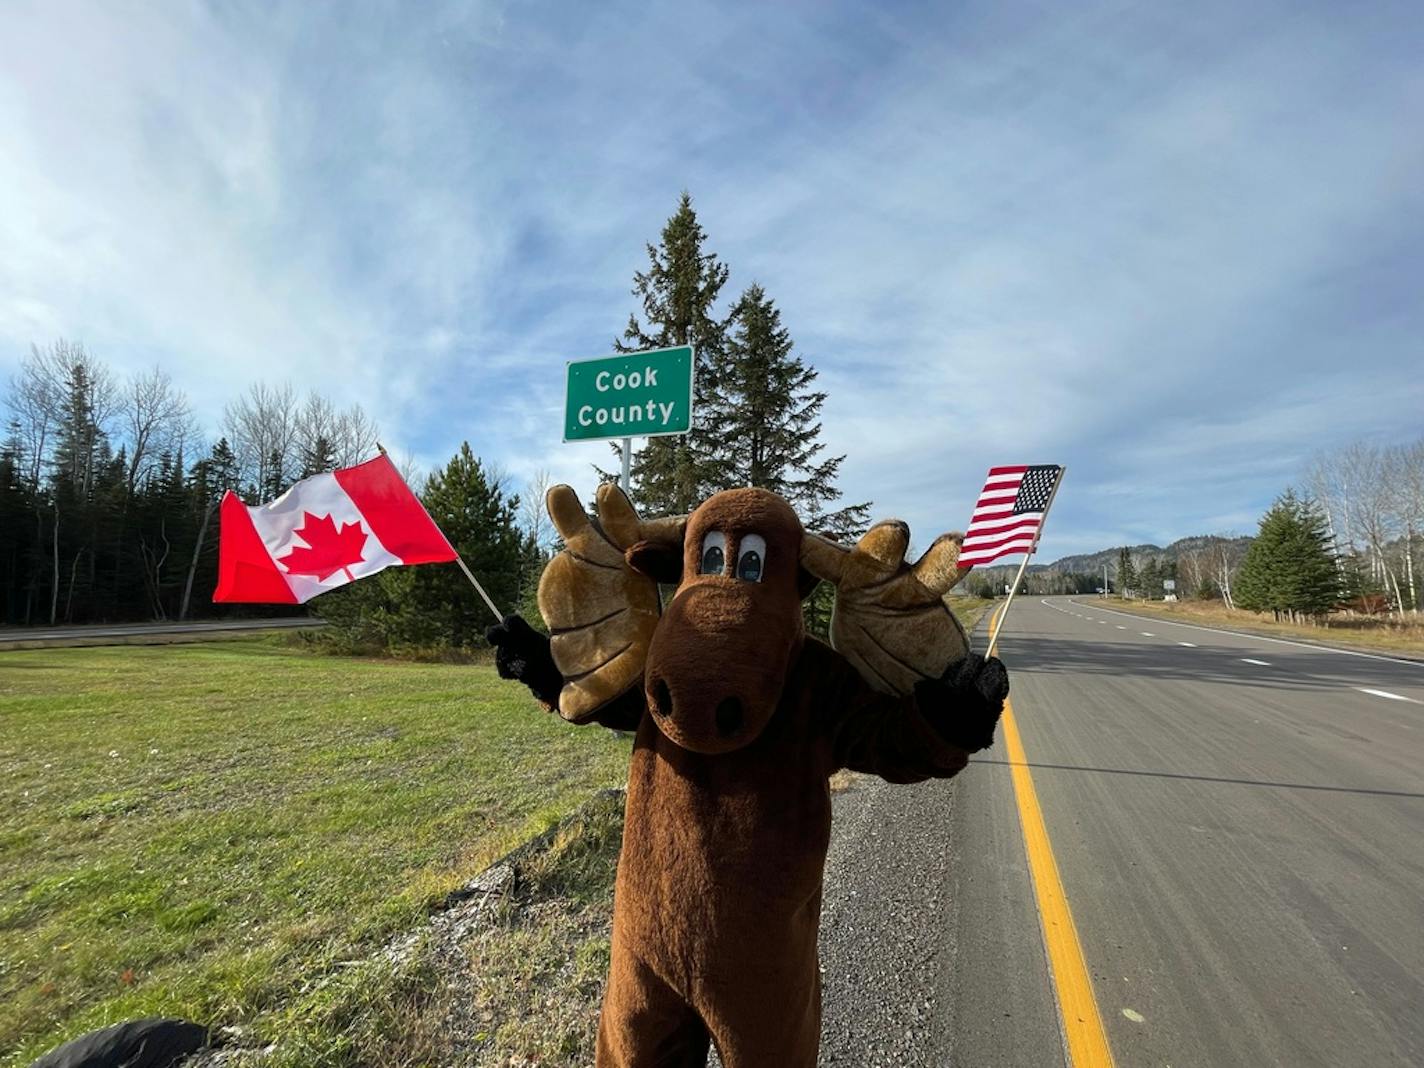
[722,650]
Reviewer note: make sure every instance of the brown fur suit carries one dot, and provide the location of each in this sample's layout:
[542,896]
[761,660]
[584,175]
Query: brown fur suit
[740,721]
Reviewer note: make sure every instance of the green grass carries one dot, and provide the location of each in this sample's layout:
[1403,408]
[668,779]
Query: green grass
[216,831]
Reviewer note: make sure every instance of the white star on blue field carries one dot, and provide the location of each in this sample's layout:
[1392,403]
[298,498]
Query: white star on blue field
[1178,248]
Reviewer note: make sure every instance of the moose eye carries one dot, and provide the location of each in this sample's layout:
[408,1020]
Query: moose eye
[714,553]
[751,558]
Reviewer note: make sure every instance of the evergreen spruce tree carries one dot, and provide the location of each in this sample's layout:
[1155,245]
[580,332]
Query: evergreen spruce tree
[434,606]
[483,526]
[678,292]
[1126,573]
[84,474]
[1290,569]
[18,537]
[319,456]
[1359,586]
[1150,578]
[766,428]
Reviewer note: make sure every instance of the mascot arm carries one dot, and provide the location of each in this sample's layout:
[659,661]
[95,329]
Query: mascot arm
[600,610]
[524,655]
[927,734]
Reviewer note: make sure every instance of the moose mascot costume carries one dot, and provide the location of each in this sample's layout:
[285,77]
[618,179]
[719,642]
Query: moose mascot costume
[740,721]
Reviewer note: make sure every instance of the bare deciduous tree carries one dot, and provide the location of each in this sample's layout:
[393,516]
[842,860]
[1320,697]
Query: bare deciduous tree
[531,507]
[156,420]
[261,426]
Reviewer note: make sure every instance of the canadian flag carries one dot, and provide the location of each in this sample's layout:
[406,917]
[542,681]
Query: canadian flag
[324,532]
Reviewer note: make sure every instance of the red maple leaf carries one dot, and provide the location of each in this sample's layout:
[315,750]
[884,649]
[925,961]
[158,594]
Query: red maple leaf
[331,551]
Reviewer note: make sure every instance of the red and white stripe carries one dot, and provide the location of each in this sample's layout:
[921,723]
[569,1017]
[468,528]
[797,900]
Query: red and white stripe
[994,529]
[255,539]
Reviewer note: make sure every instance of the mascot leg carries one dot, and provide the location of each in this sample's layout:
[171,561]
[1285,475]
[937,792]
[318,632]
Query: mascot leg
[768,1020]
[644,1022]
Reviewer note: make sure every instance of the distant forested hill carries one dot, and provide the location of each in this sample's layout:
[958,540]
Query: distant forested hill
[1195,556]
[1093,562]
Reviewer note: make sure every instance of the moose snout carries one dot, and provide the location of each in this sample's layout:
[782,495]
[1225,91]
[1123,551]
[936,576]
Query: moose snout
[729,715]
[706,721]
[714,677]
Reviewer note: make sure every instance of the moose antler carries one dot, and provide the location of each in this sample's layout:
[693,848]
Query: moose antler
[890,619]
[600,612]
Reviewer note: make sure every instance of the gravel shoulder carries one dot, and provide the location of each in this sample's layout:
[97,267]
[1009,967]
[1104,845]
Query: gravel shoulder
[930,942]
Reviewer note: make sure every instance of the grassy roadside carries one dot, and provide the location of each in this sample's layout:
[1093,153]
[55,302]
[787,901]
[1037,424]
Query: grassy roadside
[1365,634]
[217,831]
[969,610]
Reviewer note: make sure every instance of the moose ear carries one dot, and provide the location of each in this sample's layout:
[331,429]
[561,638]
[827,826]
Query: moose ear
[660,561]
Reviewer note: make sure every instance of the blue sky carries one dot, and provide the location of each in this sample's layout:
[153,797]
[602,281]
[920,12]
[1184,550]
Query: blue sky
[1177,247]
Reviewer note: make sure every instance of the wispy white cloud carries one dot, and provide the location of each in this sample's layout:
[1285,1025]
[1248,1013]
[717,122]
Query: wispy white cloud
[1178,250]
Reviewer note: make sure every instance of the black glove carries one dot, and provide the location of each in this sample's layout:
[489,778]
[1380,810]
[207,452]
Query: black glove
[965,704]
[522,653]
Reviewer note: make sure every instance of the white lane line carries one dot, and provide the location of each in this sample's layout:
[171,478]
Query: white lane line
[1148,634]
[1276,641]
[1121,628]
[1189,645]
[1258,663]
[1386,693]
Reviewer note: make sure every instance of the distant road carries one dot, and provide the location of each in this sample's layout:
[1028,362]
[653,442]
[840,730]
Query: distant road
[1236,822]
[141,633]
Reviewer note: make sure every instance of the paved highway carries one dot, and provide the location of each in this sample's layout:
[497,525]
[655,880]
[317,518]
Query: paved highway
[1238,826]
[135,633]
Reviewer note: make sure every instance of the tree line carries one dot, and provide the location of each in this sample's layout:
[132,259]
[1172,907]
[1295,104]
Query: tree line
[109,486]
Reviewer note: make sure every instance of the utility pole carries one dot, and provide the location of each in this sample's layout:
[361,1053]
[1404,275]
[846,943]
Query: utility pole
[1105,578]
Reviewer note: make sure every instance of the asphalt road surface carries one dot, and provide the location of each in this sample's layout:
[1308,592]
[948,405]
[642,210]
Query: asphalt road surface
[133,633]
[1239,828]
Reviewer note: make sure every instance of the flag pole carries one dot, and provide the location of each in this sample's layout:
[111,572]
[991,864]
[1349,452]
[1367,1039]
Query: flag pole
[476,584]
[999,623]
[499,618]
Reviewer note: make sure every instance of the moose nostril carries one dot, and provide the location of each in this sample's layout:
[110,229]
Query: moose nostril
[729,717]
[662,699]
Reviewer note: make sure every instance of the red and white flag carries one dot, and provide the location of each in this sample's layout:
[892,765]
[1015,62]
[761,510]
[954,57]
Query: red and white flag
[1009,513]
[324,532]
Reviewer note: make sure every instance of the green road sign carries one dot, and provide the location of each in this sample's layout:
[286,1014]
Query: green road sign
[641,395]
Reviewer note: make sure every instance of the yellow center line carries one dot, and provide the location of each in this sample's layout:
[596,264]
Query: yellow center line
[1084,1037]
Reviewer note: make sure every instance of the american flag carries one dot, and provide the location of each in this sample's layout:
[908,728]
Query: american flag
[1009,512]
